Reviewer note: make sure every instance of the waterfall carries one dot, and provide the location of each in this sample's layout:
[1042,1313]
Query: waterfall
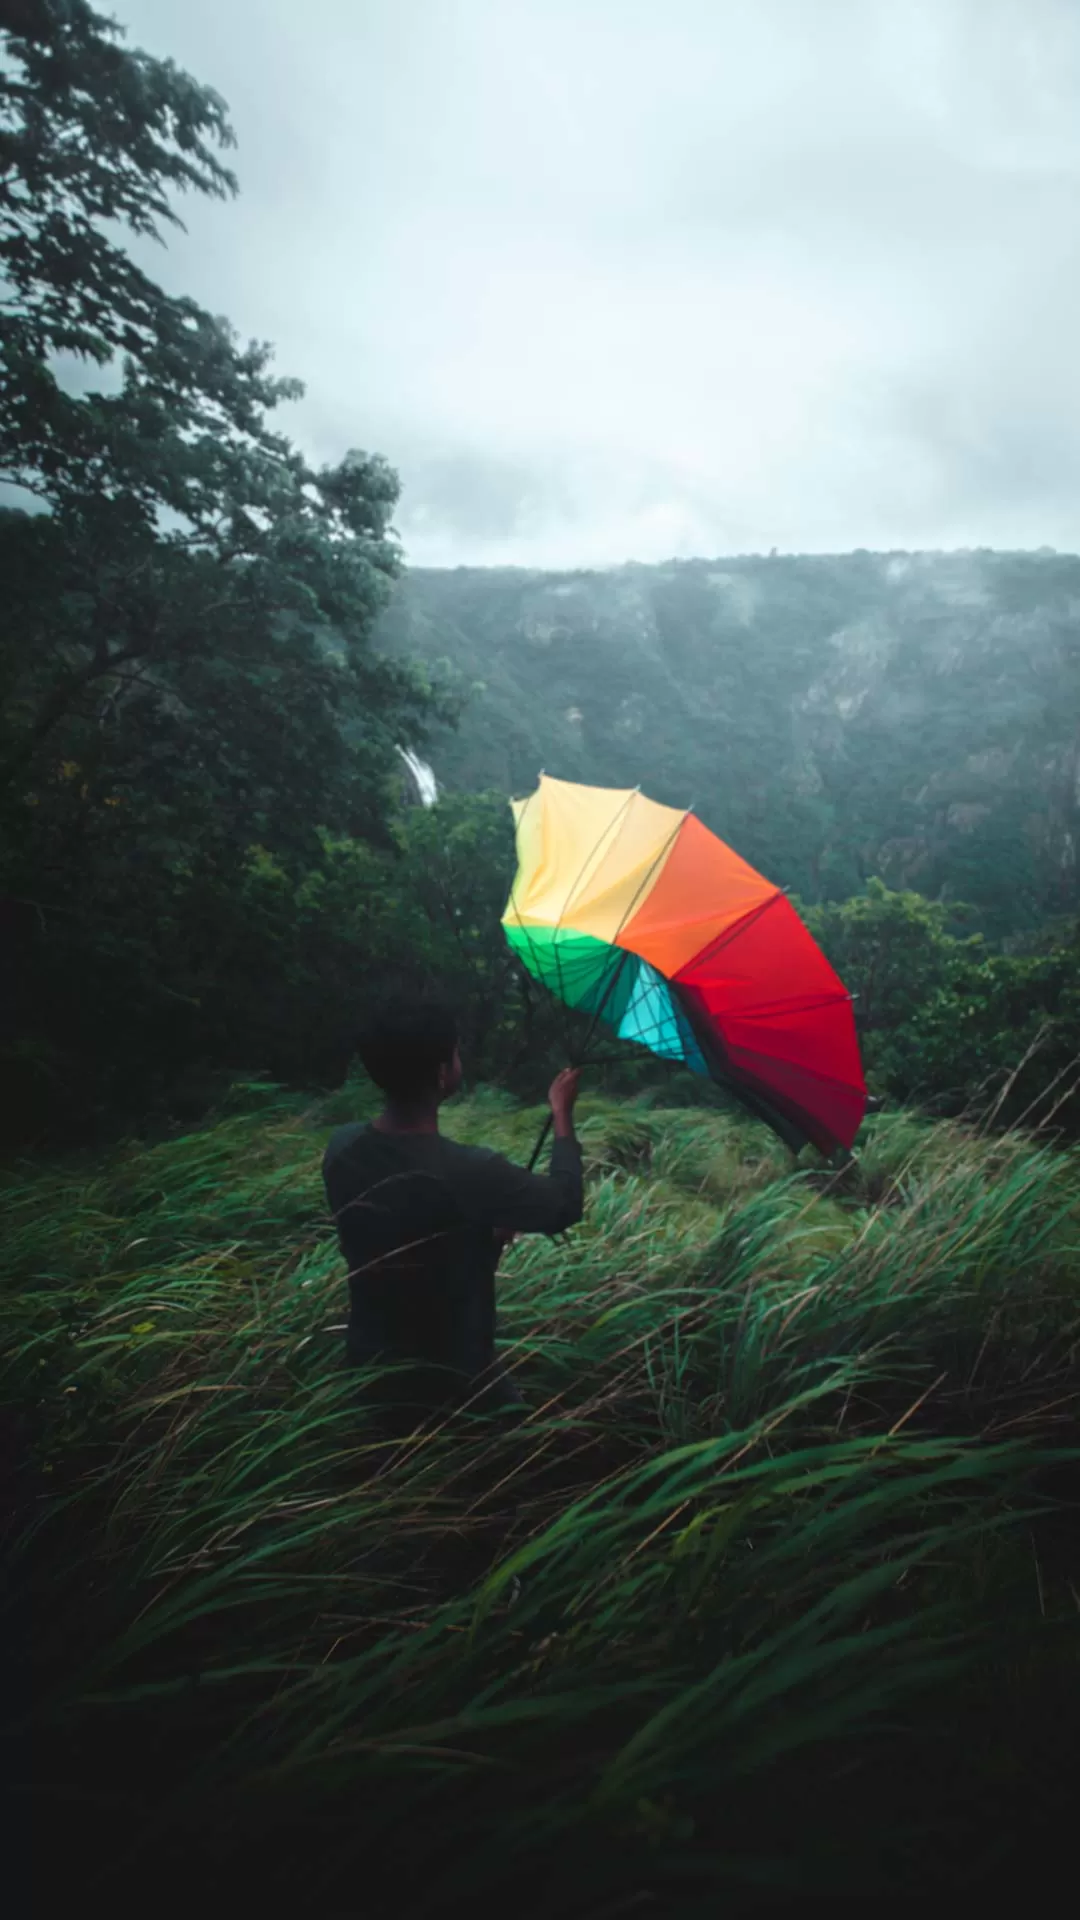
[423,777]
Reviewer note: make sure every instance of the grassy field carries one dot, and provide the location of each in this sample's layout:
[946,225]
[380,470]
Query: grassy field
[776,1590]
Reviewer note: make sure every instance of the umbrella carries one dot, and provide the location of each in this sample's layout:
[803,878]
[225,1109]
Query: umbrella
[638,915]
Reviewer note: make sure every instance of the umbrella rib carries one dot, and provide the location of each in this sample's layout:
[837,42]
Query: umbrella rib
[713,1048]
[760,1011]
[662,855]
[796,1066]
[730,933]
[625,952]
[612,828]
[533,948]
[783,1009]
[664,851]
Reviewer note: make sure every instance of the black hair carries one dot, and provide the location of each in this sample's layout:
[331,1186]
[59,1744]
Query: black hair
[403,1042]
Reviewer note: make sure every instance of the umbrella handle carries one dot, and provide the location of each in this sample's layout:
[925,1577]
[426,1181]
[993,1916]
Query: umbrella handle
[546,1128]
[598,1060]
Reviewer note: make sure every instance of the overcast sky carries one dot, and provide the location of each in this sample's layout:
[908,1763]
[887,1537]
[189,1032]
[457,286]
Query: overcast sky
[629,279]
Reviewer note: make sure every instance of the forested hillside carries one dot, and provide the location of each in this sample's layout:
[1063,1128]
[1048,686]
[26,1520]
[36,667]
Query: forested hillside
[912,716]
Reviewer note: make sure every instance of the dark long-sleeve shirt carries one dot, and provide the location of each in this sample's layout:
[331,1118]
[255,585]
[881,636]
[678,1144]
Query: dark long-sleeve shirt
[417,1217]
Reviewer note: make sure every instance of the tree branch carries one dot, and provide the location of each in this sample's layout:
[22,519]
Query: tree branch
[58,705]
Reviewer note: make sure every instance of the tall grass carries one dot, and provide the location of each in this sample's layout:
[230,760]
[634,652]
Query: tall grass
[793,1501]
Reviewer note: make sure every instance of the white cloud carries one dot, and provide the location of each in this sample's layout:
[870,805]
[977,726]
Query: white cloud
[607,280]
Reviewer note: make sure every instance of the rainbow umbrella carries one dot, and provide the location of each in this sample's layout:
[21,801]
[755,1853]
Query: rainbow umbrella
[638,915]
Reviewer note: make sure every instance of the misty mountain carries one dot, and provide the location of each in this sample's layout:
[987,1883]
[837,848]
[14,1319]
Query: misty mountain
[911,715]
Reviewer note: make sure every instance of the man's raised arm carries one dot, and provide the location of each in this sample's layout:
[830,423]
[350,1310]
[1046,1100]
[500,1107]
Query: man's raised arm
[498,1194]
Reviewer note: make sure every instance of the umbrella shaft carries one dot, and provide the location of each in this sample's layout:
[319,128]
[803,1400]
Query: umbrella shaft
[580,1060]
[539,1147]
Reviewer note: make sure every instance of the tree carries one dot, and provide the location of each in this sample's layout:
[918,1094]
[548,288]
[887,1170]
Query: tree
[186,661]
[182,539]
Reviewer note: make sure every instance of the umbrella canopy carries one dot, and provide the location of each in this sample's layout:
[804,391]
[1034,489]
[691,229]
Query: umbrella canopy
[637,914]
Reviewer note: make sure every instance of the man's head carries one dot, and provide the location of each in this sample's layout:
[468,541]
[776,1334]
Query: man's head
[409,1047]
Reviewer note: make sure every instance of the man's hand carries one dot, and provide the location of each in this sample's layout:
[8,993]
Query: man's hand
[561,1097]
[504,1237]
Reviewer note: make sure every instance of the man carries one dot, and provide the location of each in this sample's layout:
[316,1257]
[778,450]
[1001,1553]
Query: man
[422,1222]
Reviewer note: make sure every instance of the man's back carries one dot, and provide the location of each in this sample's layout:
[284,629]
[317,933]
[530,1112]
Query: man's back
[418,1217]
